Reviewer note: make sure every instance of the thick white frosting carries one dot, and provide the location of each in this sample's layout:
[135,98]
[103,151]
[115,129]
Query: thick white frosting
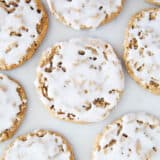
[138,138]
[89,13]
[13,48]
[9,103]
[144,59]
[86,78]
[48,147]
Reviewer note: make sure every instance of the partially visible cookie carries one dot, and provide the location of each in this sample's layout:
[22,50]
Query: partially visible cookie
[12,106]
[23,25]
[39,145]
[85,14]
[157,2]
[142,49]
[80,80]
[136,136]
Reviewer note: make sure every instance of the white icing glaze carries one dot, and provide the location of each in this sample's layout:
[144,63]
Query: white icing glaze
[13,22]
[86,78]
[9,103]
[147,55]
[88,13]
[133,141]
[48,147]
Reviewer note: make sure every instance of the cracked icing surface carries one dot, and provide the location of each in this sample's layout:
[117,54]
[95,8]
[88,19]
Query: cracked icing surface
[142,49]
[19,30]
[80,80]
[40,145]
[85,13]
[136,136]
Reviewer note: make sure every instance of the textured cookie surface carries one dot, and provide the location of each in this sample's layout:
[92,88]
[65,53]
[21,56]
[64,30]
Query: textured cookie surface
[154,1]
[23,24]
[83,14]
[142,49]
[12,106]
[80,80]
[135,136]
[39,145]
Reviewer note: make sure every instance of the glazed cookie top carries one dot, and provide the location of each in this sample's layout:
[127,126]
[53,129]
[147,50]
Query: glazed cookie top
[10,104]
[80,79]
[142,47]
[19,20]
[135,136]
[83,14]
[40,145]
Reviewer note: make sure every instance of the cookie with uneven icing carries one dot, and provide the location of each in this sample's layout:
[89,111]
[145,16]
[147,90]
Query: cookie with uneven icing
[142,49]
[12,106]
[157,2]
[136,136]
[23,24]
[80,80]
[39,145]
[85,14]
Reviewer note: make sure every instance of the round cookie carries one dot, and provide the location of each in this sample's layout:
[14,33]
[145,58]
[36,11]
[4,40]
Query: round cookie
[39,145]
[80,80]
[23,25]
[12,106]
[157,2]
[142,43]
[135,136]
[85,14]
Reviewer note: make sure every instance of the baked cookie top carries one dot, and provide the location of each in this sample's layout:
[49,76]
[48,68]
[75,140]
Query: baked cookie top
[80,80]
[39,145]
[12,106]
[23,24]
[136,136]
[142,49]
[85,14]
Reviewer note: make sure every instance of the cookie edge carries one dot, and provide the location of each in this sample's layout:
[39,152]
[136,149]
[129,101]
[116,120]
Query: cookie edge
[10,132]
[152,2]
